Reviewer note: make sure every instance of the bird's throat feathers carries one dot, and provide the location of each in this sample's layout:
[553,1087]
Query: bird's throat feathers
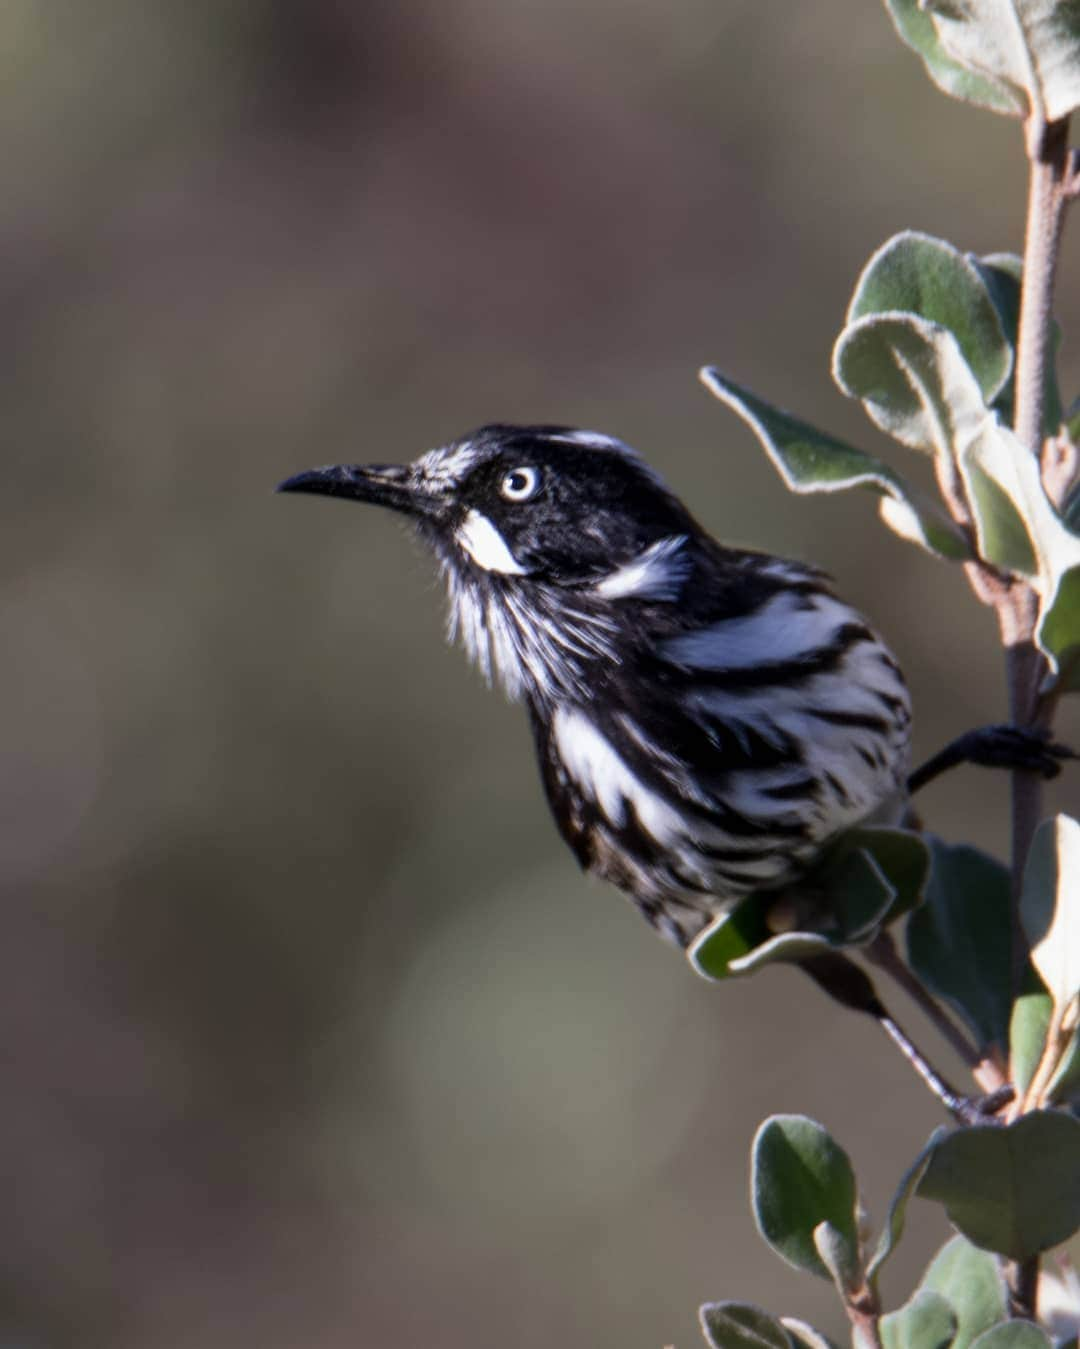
[538,640]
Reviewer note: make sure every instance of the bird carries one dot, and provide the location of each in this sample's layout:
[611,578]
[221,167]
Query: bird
[707,719]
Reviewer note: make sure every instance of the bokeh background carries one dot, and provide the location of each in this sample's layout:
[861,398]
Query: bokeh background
[310,1032]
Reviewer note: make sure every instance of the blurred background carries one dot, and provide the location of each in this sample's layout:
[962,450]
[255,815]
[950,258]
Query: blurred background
[310,1031]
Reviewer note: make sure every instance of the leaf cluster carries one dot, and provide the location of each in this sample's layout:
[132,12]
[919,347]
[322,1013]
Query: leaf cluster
[937,347]
[1013,1191]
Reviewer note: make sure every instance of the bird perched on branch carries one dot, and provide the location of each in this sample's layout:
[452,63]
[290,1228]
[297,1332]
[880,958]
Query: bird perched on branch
[706,718]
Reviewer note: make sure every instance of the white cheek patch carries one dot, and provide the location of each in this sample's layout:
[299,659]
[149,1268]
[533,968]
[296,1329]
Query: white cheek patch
[486,546]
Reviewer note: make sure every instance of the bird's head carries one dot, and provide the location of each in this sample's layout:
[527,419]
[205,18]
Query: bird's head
[544,535]
[560,506]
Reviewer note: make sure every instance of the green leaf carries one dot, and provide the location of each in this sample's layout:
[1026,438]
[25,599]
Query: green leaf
[846,900]
[801,1178]
[1028,49]
[995,453]
[741,1325]
[902,857]
[926,1322]
[1063,1085]
[1050,906]
[1013,1189]
[1002,274]
[717,952]
[958,941]
[971,1282]
[1027,1036]
[871,876]
[839,1257]
[854,895]
[897,1217]
[1002,533]
[805,1336]
[915,384]
[917,29]
[810,461]
[1059,630]
[1013,1335]
[917,274]
[913,380]
[1027,1040]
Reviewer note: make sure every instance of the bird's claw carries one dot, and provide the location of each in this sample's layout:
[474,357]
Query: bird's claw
[982,1109]
[1027,749]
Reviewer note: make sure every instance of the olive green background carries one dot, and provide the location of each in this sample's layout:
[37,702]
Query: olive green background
[310,1031]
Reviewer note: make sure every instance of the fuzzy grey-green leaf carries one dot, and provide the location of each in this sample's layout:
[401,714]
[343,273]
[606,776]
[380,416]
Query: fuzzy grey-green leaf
[925,1322]
[852,894]
[1059,628]
[912,379]
[1013,1335]
[958,941]
[1028,1025]
[1002,274]
[971,1282]
[840,1256]
[741,1325]
[804,1335]
[1012,1189]
[1050,906]
[801,1178]
[810,461]
[1028,48]
[1021,509]
[917,29]
[917,274]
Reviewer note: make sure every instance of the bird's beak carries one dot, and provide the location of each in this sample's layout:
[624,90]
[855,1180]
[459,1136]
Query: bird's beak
[390,485]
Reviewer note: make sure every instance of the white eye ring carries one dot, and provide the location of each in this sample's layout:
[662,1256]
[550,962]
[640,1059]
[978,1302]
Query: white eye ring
[520,483]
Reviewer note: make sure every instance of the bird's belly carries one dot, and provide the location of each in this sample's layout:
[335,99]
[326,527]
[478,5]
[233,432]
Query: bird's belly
[684,861]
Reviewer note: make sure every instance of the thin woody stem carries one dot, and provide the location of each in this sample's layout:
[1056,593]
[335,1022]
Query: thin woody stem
[882,952]
[1050,186]
[1049,189]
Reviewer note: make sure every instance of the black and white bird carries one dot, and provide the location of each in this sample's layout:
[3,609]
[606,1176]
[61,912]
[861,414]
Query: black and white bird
[707,719]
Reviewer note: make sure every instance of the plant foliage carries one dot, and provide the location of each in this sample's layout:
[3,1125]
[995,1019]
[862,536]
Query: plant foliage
[936,347]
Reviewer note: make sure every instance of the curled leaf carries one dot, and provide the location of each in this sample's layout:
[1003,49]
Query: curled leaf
[917,29]
[917,274]
[1028,49]
[1050,906]
[810,461]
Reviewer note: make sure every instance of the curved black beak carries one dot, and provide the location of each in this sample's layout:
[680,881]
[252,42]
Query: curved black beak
[390,485]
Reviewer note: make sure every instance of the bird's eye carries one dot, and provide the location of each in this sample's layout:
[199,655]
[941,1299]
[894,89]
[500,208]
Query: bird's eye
[520,483]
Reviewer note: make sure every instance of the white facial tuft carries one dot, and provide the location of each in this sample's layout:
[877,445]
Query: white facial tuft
[444,469]
[486,546]
[657,573]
